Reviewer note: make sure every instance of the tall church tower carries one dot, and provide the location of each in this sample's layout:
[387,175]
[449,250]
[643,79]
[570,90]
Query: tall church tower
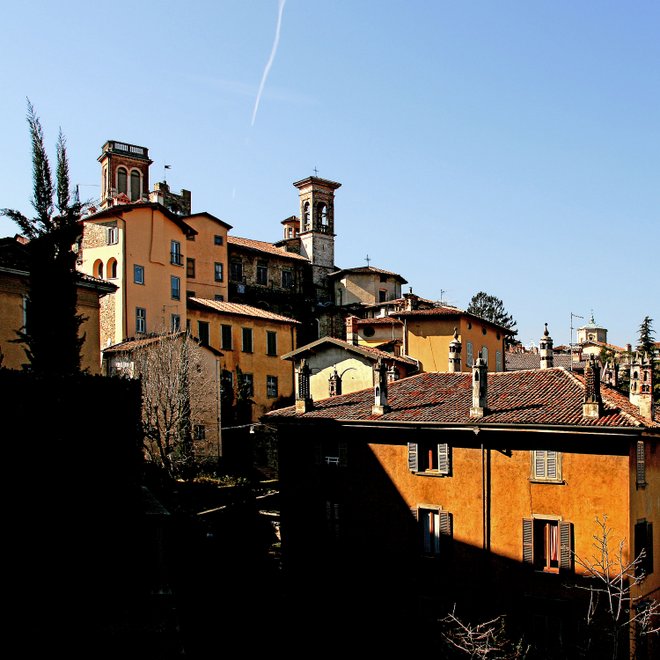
[317,225]
[124,173]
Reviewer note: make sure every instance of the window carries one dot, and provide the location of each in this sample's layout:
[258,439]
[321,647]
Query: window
[262,273]
[498,361]
[546,466]
[112,237]
[227,381]
[175,253]
[200,432]
[135,185]
[306,223]
[219,271]
[190,268]
[247,340]
[175,287]
[383,278]
[382,295]
[271,387]
[641,465]
[138,274]
[175,323]
[190,293]
[432,458]
[217,240]
[225,333]
[190,237]
[331,451]
[484,355]
[203,332]
[236,271]
[435,530]
[247,384]
[218,297]
[140,320]
[469,354]
[271,341]
[122,180]
[644,543]
[548,544]
[287,279]
[112,269]
[98,269]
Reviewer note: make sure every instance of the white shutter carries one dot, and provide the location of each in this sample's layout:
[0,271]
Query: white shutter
[443,458]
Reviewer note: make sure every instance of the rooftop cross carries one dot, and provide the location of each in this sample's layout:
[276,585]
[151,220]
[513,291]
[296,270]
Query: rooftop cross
[368,259]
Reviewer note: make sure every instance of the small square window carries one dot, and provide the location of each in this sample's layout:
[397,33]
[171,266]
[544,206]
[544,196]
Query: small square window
[218,297]
[218,240]
[546,466]
[112,236]
[138,274]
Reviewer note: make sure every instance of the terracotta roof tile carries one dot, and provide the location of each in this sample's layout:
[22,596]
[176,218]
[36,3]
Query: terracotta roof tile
[238,309]
[546,397]
[380,320]
[263,246]
[368,269]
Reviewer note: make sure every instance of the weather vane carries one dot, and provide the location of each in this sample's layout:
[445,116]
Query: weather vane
[368,259]
[315,171]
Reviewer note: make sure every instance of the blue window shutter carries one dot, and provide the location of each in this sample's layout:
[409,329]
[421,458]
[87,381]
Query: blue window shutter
[412,457]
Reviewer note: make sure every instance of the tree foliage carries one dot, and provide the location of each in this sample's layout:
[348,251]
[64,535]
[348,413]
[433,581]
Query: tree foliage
[52,336]
[646,346]
[492,309]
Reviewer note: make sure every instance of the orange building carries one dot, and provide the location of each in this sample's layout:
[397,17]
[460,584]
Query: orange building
[480,491]
[14,275]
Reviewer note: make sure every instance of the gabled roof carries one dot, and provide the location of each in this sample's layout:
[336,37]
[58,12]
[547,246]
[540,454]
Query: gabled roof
[538,398]
[210,216]
[367,270]
[449,312]
[237,309]
[136,343]
[119,209]
[263,246]
[380,320]
[365,351]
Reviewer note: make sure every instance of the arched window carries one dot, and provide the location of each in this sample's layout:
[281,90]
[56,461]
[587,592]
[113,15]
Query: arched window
[484,354]
[98,269]
[122,180]
[306,216]
[112,269]
[135,185]
[322,210]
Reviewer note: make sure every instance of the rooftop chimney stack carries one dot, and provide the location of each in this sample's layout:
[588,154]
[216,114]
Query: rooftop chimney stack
[454,365]
[545,350]
[304,401]
[479,388]
[380,406]
[592,406]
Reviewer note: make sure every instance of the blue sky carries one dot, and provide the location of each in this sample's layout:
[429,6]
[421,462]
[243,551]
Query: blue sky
[510,147]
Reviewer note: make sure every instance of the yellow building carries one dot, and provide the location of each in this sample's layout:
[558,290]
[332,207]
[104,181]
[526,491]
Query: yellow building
[428,333]
[251,339]
[13,297]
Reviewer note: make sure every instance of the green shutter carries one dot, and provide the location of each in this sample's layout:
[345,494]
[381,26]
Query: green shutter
[412,457]
[528,541]
[443,458]
[565,545]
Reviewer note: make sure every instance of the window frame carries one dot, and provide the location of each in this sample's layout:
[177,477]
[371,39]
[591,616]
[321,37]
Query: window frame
[272,387]
[289,277]
[176,257]
[205,341]
[435,530]
[175,322]
[245,342]
[175,287]
[271,343]
[140,320]
[218,240]
[112,235]
[430,452]
[190,268]
[236,270]
[218,271]
[261,274]
[226,332]
[138,269]
[535,547]
[546,459]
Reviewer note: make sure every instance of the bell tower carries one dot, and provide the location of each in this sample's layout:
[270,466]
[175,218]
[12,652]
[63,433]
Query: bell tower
[124,173]
[317,225]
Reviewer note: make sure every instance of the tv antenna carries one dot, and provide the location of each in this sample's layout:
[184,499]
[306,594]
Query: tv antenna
[570,342]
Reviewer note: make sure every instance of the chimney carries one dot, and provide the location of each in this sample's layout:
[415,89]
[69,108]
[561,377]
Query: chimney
[454,365]
[641,385]
[592,405]
[392,373]
[380,406]
[352,330]
[479,387]
[334,383]
[545,350]
[304,401]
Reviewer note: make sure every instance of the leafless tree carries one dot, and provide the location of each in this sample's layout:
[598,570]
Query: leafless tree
[614,610]
[487,640]
[176,387]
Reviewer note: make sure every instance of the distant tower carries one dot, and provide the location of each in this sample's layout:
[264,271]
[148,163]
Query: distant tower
[479,387]
[124,172]
[455,354]
[591,332]
[641,384]
[317,225]
[545,350]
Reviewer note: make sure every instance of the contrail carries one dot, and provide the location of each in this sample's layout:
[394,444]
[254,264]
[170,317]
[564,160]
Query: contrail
[270,60]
